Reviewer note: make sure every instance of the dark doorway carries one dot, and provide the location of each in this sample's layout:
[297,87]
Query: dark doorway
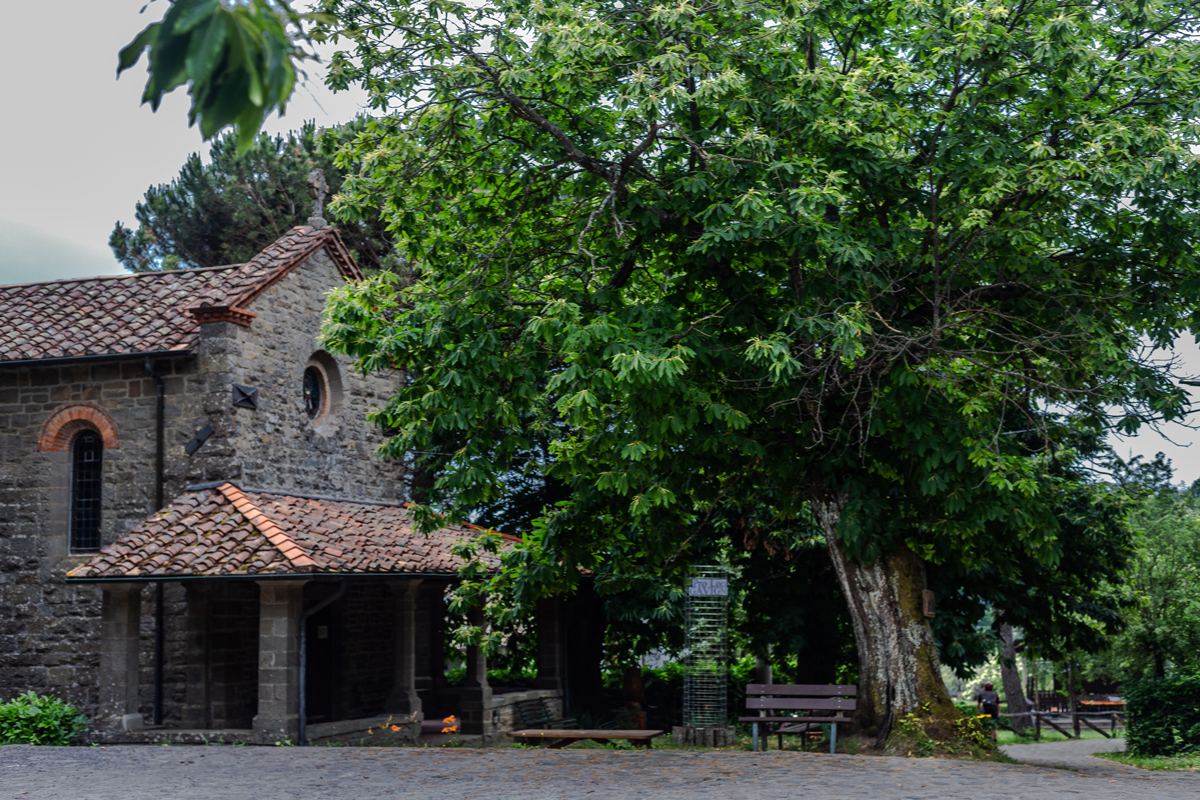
[322,665]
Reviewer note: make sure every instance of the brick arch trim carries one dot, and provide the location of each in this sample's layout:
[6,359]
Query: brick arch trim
[66,422]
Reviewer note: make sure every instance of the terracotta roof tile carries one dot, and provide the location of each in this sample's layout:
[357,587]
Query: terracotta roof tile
[209,532]
[147,312]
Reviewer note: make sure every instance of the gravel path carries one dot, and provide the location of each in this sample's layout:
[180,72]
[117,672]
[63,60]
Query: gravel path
[1075,755]
[265,773]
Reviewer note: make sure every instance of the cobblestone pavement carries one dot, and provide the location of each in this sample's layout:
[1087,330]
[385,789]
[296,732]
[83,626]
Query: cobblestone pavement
[265,773]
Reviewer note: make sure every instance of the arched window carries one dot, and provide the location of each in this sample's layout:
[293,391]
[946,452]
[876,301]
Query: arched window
[87,478]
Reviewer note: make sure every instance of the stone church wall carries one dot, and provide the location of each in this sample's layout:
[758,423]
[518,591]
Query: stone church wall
[49,629]
[277,446]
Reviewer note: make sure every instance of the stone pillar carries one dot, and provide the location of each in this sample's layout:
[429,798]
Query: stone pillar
[197,709]
[549,642]
[476,703]
[403,698]
[280,605]
[120,629]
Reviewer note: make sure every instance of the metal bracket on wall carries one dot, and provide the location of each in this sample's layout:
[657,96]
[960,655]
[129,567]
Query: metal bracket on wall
[200,439]
[245,397]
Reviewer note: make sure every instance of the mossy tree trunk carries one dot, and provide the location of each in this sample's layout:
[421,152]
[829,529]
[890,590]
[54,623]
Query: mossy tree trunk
[899,672]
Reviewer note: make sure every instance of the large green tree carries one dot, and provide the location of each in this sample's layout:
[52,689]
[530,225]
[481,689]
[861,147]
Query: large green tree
[225,209]
[879,258]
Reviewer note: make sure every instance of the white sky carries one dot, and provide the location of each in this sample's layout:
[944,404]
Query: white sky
[77,148]
[78,151]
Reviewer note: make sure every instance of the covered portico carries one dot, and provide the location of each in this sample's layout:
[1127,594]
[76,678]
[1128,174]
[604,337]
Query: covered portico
[285,591]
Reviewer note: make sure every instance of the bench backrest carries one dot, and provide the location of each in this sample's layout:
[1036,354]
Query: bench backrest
[532,710]
[801,690]
[799,697]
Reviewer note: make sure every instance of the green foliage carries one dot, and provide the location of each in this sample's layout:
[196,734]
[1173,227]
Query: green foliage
[31,718]
[894,260]
[787,605]
[1070,605]
[1164,628]
[743,262]
[227,210]
[1164,715]
[524,678]
[238,57]
[1160,592]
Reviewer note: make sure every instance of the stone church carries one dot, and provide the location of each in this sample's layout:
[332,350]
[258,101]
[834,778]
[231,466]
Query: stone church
[197,538]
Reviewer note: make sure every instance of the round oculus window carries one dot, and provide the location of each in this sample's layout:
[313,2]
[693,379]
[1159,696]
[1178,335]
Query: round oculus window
[314,388]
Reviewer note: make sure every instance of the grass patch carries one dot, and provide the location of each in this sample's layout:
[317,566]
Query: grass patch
[1048,735]
[1188,762]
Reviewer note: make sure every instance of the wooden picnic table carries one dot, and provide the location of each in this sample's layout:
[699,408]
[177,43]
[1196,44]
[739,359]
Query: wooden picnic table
[555,739]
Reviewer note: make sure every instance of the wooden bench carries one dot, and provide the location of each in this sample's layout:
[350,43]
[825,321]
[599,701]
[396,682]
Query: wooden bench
[765,698]
[534,713]
[561,738]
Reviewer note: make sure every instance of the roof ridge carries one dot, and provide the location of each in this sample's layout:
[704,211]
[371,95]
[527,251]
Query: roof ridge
[150,274]
[284,543]
[310,240]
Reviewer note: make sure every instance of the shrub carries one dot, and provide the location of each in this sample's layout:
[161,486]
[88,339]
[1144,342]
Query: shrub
[32,718]
[1164,716]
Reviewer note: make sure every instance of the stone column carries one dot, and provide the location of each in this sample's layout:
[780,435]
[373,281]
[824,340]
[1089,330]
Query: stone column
[549,642]
[476,703]
[197,712]
[403,698]
[120,629]
[280,606]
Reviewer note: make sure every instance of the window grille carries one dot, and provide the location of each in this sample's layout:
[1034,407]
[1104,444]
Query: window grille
[313,390]
[87,457]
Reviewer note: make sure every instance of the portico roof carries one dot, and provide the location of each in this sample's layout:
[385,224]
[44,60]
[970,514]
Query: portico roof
[225,532]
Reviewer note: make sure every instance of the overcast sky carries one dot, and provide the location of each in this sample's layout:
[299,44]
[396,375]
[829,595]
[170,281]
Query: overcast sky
[78,151]
[78,148]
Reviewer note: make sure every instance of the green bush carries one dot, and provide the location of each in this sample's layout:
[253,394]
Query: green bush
[1164,716]
[32,718]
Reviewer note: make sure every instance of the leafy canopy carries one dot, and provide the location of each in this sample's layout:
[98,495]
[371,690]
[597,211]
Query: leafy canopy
[776,251]
[239,57]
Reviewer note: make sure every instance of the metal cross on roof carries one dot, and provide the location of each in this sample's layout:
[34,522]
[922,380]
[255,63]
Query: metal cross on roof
[317,190]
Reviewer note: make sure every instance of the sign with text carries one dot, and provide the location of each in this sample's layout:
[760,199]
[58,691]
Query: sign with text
[709,587]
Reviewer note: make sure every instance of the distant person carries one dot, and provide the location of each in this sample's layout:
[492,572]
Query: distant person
[987,703]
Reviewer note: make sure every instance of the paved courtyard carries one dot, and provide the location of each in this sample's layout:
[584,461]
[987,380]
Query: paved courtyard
[265,773]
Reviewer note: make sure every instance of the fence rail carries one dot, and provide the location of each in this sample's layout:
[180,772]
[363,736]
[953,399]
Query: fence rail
[1077,719]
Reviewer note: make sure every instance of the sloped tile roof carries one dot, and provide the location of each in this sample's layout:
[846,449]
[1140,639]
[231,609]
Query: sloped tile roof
[147,312]
[226,532]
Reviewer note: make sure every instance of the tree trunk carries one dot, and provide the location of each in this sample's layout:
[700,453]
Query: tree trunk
[1010,676]
[898,672]
[762,670]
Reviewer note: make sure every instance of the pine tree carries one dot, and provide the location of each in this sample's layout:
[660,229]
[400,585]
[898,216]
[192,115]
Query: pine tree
[226,210]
